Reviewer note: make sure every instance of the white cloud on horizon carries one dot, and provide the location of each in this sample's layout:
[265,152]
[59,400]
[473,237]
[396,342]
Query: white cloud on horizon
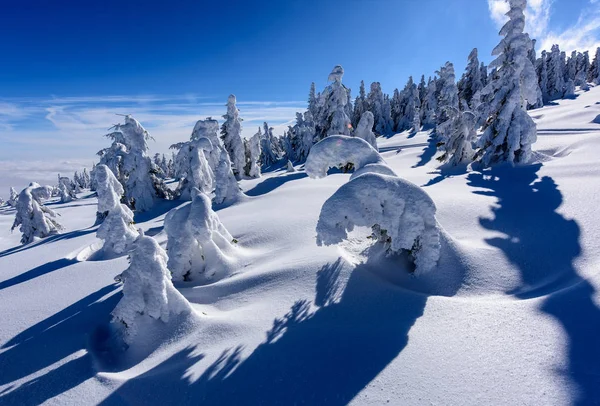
[583,35]
[44,136]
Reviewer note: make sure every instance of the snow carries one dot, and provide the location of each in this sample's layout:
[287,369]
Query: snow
[511,314]
[339,151]
[400,213]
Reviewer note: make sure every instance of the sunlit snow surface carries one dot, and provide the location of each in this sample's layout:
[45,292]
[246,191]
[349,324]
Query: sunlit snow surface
[511,315]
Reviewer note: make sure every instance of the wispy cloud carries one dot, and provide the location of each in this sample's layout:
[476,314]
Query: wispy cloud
[38,132]
[582,35]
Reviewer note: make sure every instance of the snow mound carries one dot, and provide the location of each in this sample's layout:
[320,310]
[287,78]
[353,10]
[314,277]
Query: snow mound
[400,213]
[340,151]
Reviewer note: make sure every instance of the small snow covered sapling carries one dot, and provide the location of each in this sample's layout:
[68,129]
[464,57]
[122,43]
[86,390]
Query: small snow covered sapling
[290,166]
[117,228]
[147,289]
[33,218]
[364,129]
[197,241]
[400,213]
[13,197]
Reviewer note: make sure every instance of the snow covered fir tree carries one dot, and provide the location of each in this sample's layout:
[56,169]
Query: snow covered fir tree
[261,234]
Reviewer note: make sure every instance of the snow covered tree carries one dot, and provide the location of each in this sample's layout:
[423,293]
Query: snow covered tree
[447,100]
[581,70]
[252,149]
[269,147]
[204,163]
[128,159]
[376,105]
[408,114]
[558,88]
[33,218]
[429,105]
[116,228]
[422,89]
[12,197]
[333,117]
[313,102]
[66,190]
[198,243]
[462,134]
[541,68]
[471,83]
[364,129]
[231,134]
[509,131]
[147,290]
[85,176]
[360,105]
[594,71]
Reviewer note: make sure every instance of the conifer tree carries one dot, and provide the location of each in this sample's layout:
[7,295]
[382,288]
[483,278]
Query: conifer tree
[231,134]
[509,131]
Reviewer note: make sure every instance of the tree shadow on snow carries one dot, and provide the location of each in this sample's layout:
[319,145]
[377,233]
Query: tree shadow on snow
[49,239]
[37,271]
[445,172]
[428,152]
[542,245]
[270,184]
[50,341]
[322,357]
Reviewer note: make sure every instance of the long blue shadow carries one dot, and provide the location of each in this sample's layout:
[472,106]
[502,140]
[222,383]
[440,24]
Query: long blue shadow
[428,152]
[543,245]
[321,358]
[48,240]
[37,271]
[270,184]
[50,341]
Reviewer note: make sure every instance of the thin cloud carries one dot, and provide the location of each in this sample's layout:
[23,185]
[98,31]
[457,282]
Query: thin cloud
[583,35]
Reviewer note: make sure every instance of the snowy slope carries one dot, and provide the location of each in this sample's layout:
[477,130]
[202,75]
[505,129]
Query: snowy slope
[511,315]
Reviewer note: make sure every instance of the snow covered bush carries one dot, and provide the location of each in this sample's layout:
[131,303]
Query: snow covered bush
[117,228]
[32,217]
[340,151]
[509,131]
[147,289]
[197,241]
[231,134]
[400,213]
[364,129]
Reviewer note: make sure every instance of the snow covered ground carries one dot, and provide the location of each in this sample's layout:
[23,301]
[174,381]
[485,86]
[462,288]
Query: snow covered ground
[511,315]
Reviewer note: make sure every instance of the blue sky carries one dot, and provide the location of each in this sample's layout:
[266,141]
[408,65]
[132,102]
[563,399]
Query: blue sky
[68,67]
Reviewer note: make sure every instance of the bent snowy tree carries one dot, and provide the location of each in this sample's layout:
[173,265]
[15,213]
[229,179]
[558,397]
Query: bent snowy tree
[400,213]
[147,289]
[343,152]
